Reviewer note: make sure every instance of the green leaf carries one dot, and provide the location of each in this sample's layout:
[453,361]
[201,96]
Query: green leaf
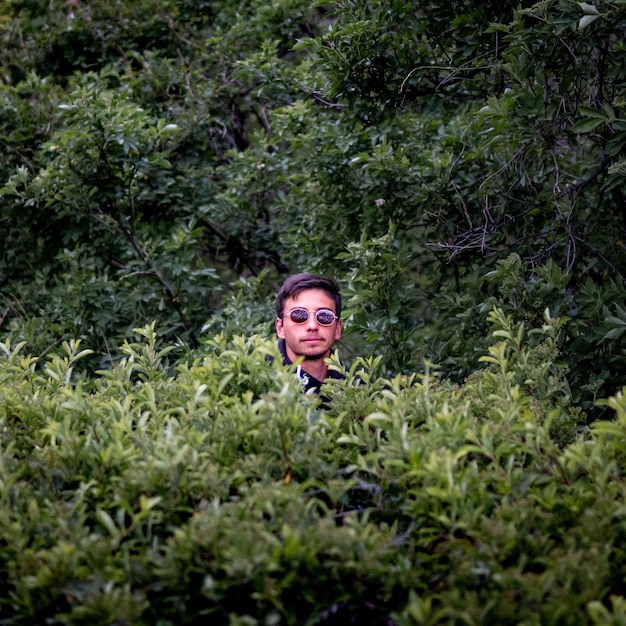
[587,125]
[595,113]
[107,521]
[588,9]
[585,20]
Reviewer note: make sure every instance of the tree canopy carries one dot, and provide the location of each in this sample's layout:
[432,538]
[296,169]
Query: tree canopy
[175,160]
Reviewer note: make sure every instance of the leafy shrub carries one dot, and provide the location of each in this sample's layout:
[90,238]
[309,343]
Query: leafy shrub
[172,490]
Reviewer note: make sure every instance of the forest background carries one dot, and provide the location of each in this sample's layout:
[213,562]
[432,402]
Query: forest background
[458,167]
[174,161]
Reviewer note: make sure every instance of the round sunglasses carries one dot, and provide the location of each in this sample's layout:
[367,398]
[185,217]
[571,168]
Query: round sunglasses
[324,317]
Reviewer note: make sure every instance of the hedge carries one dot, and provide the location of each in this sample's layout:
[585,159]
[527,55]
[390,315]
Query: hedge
[207,488]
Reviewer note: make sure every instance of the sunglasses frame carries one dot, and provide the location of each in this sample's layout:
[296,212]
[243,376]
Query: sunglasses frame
[315,314]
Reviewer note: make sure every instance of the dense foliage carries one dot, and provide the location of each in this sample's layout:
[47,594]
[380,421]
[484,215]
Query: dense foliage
[457,166]
[436,158]
[218,491]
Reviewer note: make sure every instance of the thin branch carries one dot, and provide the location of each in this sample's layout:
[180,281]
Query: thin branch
[262,115]
[463,205]
[593,249]
[506,166]
[186,72]
[152,272]
[453,70]
[319,98]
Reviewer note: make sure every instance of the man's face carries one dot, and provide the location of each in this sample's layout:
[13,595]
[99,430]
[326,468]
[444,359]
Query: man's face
[310,339]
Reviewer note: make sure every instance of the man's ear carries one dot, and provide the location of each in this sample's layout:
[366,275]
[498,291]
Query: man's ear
[338,329]
[279,328]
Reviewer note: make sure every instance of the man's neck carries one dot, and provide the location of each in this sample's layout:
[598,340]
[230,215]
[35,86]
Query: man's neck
[315,367]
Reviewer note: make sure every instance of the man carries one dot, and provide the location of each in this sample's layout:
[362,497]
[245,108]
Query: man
[308,311]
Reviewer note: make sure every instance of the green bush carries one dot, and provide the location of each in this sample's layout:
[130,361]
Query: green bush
[171,489]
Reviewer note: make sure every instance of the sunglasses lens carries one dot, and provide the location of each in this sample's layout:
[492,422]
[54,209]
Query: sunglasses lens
[298,316]
[325,317]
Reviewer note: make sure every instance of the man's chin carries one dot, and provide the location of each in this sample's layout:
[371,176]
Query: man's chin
[315,357]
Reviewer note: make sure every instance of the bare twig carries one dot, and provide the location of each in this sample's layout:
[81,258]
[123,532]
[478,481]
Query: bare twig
[186,72]
[262,115]
[151,270]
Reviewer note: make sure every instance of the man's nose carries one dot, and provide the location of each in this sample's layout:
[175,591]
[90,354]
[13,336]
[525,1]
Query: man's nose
[311,323]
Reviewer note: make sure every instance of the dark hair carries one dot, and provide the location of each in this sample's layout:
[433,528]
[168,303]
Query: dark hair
[300,282]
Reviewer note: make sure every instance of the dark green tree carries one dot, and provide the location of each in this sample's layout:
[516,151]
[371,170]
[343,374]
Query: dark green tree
[436,158]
